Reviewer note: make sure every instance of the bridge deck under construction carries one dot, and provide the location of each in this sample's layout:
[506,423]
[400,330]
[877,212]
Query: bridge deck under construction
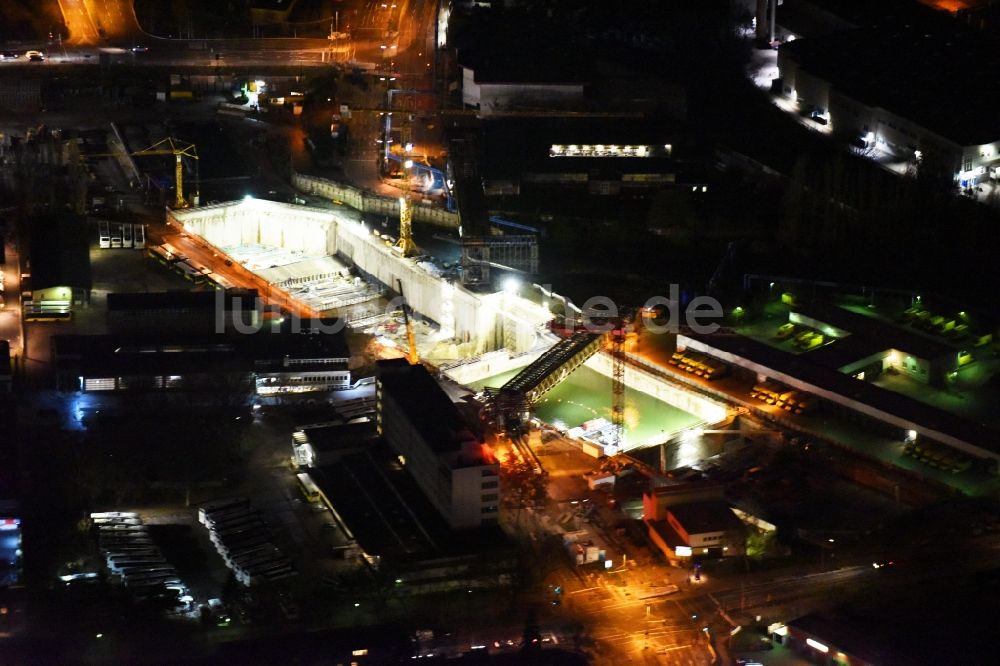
[554,365]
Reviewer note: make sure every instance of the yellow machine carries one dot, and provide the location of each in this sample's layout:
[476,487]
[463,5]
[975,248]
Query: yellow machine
[405,245]
[411,339]
[179,149]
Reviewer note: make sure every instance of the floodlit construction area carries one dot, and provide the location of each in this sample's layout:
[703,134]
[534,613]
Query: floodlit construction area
[323,283]
[467,323]
[656,411]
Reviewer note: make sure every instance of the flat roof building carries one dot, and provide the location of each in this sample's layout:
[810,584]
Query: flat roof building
[924,93]
[271,361]
[692,520]
[454,467]
[184,311]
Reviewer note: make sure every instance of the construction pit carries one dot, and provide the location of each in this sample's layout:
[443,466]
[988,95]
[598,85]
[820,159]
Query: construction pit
[332,264]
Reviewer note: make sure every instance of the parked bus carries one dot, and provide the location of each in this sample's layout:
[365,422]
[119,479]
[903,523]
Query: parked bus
[271,573]
[117,521]
[152,582]
[114,514]
[117,566]
[103,235]
[189,272]
[261,562]
[308,486]
[238,521]
[280,574]
[241,558]
[219,282]
[138,579]
[231,535]
[228,514]
[236,542]
[116,236]
[124,539]
[210,508]
[138,571]
[249,576]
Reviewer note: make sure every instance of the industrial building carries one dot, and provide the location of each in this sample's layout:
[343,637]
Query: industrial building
[599,156]
[920,93]
[270,362]
[840,380]
[692,520]
[452,465]
[184,311]
[59,277]
[509,80]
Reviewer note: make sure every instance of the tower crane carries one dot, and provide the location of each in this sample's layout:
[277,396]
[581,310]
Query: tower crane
[179,149]
[405,245]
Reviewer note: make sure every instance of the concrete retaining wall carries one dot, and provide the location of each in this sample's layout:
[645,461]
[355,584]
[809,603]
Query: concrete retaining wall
[488,321]
[369,202]
[707,410]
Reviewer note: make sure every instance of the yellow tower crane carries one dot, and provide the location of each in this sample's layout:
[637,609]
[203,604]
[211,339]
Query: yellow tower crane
[405,245]
[169,146]
[179,149]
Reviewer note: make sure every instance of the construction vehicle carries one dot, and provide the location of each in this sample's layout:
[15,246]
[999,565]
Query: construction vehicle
[411,339]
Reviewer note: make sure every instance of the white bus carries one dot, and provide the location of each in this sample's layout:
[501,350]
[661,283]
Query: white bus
[114,514]
[238,523]
[153,582]
[248,576]
[117,566]
[152,576]
[116,236]
[240,545]
[210,508]
[108,545]
[244,554]
[103,235]
[229,514]
[274,573]
[132,572]
[117,521]
[113,528]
